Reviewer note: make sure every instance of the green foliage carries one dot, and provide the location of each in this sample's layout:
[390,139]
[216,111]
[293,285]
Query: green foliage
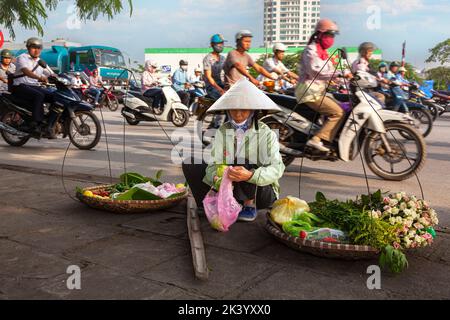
[354,218]
[441,77]
[440,53]
[31,14]
[393,259]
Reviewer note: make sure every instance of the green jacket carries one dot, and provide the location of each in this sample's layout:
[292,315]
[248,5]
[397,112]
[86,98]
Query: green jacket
[259,147]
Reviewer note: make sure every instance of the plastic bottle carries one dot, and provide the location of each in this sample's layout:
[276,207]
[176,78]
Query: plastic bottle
[325,235]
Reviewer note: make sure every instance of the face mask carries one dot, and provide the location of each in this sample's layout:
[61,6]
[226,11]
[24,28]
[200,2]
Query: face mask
[218,48]
[326,41]
[184,68]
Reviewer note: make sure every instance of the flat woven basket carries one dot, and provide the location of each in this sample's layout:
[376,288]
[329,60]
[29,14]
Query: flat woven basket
[127,206]
[322,249]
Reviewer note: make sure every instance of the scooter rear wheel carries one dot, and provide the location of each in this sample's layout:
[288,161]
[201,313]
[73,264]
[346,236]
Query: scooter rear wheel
[407,157]
[13,119]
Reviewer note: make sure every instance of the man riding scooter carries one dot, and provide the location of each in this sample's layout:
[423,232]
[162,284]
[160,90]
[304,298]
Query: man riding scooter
[214,75]
[6,68]
[26,86]
[275,65]
[238,61]
[181,83]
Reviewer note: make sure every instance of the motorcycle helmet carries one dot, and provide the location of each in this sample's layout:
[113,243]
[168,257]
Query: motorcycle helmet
[6,54]
[402,69]
[34,42]
[242,34]
[183,63]
[395,64]
[217,38]
[366,46]
[197,70]
[279,47]
[382,65]
[327,26]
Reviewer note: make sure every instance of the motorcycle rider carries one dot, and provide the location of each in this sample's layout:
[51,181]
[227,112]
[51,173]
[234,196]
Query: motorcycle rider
[96,86]
[6,68]
[366,50]
[150,84]
[275,64]
[401,76]
[181,82]
[238,61]
[214,74]
[26,86]
[198,85]
[77,84]
[313,59]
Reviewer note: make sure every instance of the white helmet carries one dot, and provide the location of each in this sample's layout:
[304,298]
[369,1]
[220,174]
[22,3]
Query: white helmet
[197,69]
[279,47]
[151,63]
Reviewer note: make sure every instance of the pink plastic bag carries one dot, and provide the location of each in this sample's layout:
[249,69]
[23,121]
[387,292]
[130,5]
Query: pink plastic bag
[222,209]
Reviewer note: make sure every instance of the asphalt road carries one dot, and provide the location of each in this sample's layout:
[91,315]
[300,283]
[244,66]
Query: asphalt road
[147,150]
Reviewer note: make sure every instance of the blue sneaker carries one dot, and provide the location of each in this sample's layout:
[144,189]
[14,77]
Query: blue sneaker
[248,214]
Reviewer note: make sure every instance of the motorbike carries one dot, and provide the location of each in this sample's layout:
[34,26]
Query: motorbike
[420,97]
[197,92]
[108,98]
[391,146]
[442,100]
[74,118]
[139,108]
[398,100]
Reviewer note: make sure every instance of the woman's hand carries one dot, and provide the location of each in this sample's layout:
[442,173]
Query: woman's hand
[239,174]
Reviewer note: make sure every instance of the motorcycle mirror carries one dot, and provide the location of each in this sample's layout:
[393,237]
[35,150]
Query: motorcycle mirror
[343,52]
[42,64]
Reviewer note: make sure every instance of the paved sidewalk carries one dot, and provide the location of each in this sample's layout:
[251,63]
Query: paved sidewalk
[147,256]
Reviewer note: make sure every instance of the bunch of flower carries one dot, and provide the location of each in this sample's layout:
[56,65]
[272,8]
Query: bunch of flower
[414,218]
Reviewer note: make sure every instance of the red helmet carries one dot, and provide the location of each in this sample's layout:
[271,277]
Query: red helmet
[327,26]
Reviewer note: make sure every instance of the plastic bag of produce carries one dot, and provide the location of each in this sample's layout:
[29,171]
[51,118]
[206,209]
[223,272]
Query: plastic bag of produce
[222,209]
[284,209]
[325,235]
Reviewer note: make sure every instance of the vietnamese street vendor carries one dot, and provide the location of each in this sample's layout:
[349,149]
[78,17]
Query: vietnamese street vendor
[248,146]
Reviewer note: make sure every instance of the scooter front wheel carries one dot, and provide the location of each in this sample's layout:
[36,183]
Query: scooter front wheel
[84,130]
[179,118]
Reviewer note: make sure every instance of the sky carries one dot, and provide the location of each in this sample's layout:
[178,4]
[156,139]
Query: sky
[190,23]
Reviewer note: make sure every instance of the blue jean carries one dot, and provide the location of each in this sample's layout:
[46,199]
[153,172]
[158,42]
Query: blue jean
[97,92]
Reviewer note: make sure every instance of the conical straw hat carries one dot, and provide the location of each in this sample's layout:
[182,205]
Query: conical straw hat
[244,95]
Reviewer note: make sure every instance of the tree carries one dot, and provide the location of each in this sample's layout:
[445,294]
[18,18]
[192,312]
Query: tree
[440,53]
[32,14]
[441,77]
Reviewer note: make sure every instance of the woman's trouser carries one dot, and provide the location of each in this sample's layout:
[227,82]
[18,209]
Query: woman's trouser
[194,173]
[96,92]
[156,95]
[333,111]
